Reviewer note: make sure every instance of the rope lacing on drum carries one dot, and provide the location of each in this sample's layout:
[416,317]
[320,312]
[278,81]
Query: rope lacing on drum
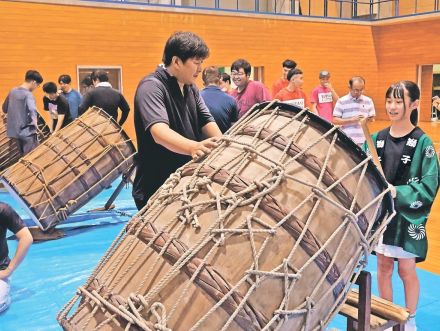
[224,200]
[159,312]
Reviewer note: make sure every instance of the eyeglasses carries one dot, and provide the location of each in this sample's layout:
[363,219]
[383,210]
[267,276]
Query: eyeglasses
[235,73]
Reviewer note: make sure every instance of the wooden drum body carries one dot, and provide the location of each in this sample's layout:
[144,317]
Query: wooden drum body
[70,168]
[9,150]
[265,233]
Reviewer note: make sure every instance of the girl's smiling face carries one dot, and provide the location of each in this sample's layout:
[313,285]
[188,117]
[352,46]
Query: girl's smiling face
[398,104]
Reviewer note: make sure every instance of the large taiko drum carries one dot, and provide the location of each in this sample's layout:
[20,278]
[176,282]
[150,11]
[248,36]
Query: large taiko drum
[70,168]
[9,150]
[265,233]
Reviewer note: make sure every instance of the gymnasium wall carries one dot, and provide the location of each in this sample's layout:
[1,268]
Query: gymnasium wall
[54,39]
[401,48]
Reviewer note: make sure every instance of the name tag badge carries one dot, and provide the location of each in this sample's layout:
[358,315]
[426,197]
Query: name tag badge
[325,97]
[296,102]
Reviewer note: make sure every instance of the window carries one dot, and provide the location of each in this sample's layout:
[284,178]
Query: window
[114,76]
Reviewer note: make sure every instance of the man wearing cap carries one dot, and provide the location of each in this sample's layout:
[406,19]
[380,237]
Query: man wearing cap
[352,108]
[323,97]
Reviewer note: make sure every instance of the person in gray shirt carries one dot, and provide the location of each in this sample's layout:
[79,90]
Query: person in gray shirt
[20,106]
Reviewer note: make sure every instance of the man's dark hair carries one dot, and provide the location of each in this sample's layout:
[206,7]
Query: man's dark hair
[50,87]
[293,72]
[211,75]
[33,75]
[65,79]
[87,81]
[356,78]
[289,64]
[100,75]
[226,78]
[242,63]
[184,45]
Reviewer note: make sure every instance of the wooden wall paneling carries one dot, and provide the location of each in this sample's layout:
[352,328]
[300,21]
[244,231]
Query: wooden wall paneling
[54,39]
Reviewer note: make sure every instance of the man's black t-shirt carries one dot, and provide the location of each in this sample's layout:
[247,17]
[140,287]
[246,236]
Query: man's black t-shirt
[159,99]
[59,106]
[108,99]
[9,220]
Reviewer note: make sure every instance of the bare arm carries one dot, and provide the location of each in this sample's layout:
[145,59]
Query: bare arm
[170,139]
[335,96]
[211,130]
[313,108]
[24,242]
[60,122]
[50,124]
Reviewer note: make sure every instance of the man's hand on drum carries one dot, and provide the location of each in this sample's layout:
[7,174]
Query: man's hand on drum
[201,148]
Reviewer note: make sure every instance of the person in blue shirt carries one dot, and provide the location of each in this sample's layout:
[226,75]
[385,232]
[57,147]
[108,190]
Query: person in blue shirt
[73,97]
[222,106]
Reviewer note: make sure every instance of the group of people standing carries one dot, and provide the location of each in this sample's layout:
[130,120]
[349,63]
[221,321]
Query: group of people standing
[323,101]
[62,102]
[175,122]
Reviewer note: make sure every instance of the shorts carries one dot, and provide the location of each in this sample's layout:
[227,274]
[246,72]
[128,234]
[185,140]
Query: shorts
[5,298]
[393,251]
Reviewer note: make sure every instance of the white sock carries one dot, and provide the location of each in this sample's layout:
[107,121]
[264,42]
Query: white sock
[410,325]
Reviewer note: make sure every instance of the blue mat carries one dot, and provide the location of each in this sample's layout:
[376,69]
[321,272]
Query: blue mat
[53,270]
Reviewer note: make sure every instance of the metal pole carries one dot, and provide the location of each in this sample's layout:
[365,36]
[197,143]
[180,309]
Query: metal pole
[257,2]
[371,9]
[396,8]
[309,6]
[325,8]
[378,9]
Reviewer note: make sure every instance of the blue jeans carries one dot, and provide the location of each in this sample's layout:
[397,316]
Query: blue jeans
[5,298]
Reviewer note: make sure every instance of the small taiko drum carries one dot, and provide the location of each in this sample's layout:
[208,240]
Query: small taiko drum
[267,232]
[9,150]
[70,168]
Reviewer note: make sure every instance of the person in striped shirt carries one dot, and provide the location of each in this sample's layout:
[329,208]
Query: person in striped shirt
[352,108]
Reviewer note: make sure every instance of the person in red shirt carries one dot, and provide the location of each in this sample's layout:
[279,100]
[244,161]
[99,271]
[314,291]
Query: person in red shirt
[283,82]
[293,93]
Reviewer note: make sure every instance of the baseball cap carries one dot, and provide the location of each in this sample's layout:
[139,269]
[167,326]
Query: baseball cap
[324,73]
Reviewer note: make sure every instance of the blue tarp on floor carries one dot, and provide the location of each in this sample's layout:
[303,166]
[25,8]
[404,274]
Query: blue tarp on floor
[53,270]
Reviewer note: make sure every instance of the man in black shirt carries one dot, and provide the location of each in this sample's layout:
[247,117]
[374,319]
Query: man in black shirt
[9,220]
[171,120]
[57,106]
[105,97]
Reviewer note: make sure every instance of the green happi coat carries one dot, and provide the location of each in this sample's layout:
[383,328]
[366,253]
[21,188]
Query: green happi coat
[416,185]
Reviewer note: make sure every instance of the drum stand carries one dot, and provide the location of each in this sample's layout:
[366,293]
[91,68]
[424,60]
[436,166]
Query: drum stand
[125,179]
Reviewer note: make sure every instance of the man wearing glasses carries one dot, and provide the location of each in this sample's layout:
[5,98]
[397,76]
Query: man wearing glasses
[22,112]
[352,108]
[248,92]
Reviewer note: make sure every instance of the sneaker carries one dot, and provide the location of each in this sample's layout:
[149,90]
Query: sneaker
[410,324]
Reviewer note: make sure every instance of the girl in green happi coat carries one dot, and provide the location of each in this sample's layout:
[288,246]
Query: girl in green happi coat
[411,167]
